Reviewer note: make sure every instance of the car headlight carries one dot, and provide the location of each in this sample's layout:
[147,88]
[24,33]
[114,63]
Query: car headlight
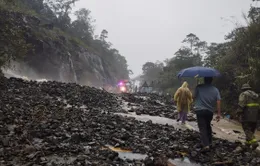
[122,88]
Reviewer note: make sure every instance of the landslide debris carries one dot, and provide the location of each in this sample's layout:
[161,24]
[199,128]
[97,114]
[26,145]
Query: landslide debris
[153,105]
[53,123]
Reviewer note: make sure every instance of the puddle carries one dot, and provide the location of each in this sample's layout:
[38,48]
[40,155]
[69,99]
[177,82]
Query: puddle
[68,106]
[59,160]
[116,149]
[183,162]
[42,80]
[228,130]
[131,156]
[231,132]
[161,120]
[83,107]
[159,102]
[11,129]
[142,97]
[37,141]
[125,105]
[127,154]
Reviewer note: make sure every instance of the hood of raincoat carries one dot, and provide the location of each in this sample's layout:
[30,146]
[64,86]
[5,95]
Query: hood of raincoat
[184,84]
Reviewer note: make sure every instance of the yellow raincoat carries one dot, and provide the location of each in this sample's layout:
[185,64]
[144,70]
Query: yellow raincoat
[183,97]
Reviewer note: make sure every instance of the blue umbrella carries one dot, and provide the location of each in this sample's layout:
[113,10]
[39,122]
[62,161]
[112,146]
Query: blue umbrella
[199,71]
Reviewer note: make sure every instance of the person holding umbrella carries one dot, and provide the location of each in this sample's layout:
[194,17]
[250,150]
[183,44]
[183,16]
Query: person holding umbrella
[206,98]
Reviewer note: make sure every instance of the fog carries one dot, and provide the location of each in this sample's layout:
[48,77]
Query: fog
[150,30]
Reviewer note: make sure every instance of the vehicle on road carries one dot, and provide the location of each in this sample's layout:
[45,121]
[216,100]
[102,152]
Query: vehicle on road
[124,86]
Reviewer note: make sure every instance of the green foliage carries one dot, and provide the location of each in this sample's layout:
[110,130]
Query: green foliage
[60,7]
[12,40]
[16,6]
[55,15]
[151,72]
[237,59]
[164,75]
[82,27]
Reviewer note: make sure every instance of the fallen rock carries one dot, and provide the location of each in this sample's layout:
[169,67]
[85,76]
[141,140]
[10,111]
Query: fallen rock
[46,131]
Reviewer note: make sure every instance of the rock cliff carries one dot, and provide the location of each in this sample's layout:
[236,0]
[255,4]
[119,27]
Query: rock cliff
[55,55]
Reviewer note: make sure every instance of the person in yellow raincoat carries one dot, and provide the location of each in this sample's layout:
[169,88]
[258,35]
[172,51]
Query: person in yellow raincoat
[183,98]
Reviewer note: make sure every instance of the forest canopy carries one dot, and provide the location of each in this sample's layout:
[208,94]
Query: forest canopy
[238,60]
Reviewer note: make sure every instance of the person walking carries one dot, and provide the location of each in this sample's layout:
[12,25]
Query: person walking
[249,113]
[183,98]
[206,98]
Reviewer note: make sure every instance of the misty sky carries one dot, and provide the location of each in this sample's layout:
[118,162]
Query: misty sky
[150,30]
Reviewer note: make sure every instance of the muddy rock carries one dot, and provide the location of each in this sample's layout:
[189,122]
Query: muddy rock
[51,123]
[153,105]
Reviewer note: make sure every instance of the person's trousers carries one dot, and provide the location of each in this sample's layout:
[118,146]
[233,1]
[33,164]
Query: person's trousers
[183,116]
[204,118]
[249,129]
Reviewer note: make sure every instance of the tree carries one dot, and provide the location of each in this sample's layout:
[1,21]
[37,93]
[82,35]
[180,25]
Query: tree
[36,5]
[214,53]
[76,34]
[165,75]
[201,47]
[9,2]
[83,26]
[237,59]
[13,42]
[130,72]
[83,15]
[192,40]
[183,52]
[148,66]
[151,72]
[254,14]
[62,9]
[103,35]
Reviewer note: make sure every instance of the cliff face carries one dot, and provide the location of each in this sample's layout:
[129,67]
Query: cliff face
[55,55]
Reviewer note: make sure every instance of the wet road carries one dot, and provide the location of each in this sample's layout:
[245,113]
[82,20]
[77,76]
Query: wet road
[161,120]
[223,129]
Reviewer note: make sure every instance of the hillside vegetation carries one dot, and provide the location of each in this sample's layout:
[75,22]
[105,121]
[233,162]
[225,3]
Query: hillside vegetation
[237,59]
[40,34]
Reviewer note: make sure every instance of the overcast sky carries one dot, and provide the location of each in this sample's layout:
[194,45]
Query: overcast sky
[150,30]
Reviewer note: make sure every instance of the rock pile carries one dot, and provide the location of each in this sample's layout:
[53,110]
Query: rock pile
[46,124]
[153,105]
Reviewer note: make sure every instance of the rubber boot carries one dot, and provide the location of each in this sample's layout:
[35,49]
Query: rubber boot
[254,144]
[205,149]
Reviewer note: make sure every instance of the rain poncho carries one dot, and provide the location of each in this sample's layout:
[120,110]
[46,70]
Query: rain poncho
[183,97]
